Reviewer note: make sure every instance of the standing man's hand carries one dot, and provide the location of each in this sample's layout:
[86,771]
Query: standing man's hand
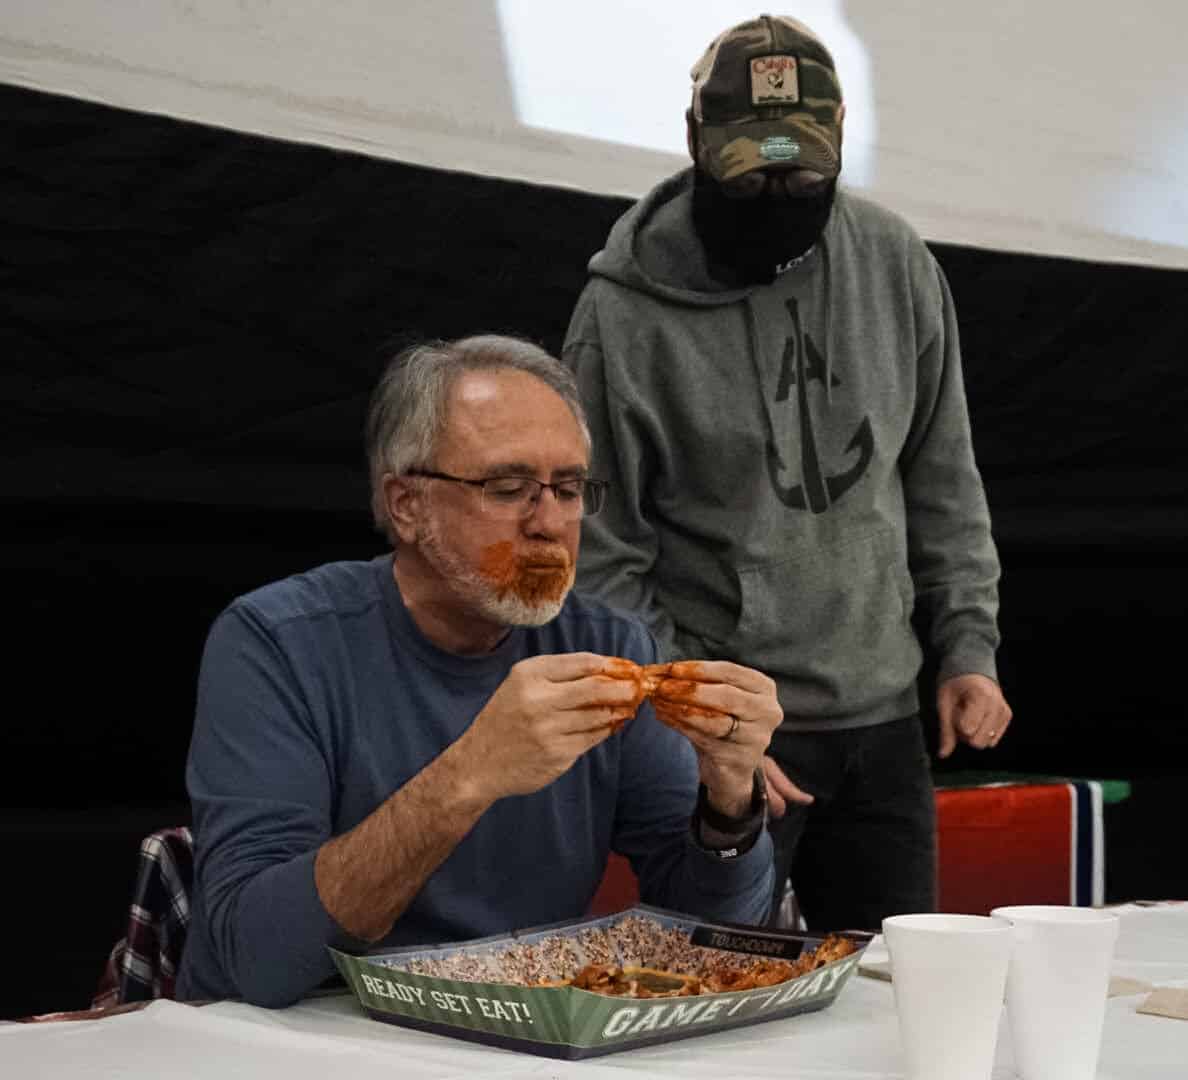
[780,790]
[971,709]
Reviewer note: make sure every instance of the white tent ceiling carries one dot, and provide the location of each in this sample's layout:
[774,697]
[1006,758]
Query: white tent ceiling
[1048,126]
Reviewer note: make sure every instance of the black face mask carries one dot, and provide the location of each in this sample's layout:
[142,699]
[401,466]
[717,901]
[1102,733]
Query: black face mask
[747,240]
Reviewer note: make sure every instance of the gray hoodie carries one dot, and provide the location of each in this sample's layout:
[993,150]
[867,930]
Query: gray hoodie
[791,467]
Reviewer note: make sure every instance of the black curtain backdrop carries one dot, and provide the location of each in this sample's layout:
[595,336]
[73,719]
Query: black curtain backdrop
[190,322]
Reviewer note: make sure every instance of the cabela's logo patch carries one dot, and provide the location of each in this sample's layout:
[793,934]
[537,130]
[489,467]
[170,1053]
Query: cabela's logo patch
[775,80]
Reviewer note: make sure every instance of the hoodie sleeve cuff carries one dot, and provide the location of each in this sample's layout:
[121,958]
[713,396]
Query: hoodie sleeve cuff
[971,656]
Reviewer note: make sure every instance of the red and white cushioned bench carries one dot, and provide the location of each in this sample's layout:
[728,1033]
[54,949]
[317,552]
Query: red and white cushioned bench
[1016,841]
[1020,841]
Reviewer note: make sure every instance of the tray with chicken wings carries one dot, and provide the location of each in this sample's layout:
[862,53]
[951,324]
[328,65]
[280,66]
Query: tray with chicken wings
[596,986]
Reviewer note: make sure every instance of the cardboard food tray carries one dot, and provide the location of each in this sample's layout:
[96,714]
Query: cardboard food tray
[565,1022]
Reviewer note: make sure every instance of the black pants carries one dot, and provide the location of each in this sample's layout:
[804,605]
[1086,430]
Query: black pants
[866,848]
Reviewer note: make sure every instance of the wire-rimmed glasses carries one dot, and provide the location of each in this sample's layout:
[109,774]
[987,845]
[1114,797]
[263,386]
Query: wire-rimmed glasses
[513,497]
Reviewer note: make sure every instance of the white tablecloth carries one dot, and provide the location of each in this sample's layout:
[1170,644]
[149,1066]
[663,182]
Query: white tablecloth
[856,1038]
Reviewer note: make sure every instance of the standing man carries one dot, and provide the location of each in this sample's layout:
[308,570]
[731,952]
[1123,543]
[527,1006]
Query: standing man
[430,746]
[771,370]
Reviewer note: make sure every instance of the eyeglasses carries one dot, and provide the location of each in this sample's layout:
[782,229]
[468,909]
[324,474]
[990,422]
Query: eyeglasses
[775,183]
[513,497]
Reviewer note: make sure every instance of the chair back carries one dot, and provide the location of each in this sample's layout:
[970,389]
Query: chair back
[143,963]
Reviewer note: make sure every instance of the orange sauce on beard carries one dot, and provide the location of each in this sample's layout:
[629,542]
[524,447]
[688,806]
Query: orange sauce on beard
[539,577]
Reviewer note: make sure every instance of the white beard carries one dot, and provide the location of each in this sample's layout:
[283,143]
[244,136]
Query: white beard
[512,611]
[501,608]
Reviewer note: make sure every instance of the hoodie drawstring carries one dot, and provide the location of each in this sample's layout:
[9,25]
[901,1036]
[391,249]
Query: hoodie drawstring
[756,339]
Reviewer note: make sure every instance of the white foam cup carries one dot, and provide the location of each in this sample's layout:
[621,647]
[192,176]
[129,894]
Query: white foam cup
[949,974]
[1057,988]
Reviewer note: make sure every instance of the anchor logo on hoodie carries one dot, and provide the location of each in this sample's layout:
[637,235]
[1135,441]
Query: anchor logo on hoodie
[802,365]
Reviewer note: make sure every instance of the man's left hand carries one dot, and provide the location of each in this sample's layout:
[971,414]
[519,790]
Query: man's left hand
[728,713]
[972,710]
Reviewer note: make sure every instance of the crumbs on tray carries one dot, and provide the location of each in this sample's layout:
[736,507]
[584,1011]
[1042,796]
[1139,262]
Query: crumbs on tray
[633,957]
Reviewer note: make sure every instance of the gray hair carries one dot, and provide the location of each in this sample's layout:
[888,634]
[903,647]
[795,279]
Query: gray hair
[408,406]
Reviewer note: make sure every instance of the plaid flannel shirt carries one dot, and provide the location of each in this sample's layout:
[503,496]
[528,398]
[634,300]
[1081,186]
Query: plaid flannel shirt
[143,964]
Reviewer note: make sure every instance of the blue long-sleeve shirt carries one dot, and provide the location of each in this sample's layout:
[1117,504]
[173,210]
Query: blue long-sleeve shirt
[318,698]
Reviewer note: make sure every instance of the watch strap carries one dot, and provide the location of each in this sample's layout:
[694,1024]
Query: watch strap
[733,836]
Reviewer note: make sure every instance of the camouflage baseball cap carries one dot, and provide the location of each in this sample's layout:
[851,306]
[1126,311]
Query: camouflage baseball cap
[766,93]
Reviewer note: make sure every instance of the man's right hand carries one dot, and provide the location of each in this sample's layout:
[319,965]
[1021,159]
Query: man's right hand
[546,714]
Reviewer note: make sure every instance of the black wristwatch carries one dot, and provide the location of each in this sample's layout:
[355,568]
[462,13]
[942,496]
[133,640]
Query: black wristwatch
[747,828]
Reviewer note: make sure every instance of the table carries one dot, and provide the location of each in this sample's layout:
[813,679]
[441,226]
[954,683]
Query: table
[854,1039]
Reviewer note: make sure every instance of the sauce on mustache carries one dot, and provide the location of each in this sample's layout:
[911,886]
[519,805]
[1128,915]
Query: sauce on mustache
[536,577]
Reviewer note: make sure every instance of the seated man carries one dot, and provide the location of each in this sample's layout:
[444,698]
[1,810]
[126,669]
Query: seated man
[434,745]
